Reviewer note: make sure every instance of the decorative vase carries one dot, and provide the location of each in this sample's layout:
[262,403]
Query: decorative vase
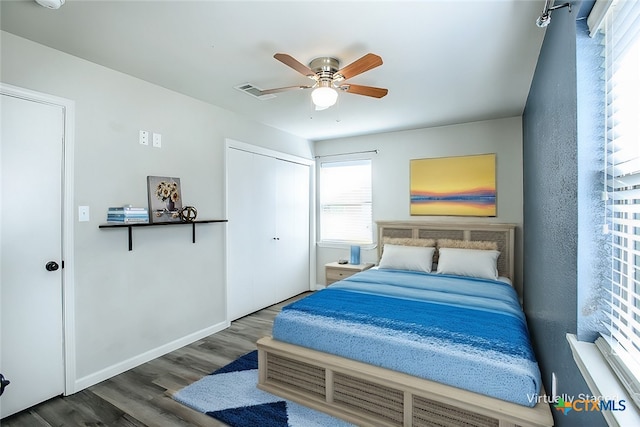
[355,255]
[170,205]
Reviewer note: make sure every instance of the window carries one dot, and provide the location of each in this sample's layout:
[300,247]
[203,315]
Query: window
[622,188]
[345,202]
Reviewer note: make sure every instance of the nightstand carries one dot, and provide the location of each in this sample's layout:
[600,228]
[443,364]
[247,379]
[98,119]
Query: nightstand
[335,271]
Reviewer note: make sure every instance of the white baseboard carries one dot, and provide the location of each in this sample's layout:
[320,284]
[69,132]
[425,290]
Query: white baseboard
[125,365]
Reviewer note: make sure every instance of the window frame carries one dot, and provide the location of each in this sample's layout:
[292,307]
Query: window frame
[341,243]
[606,365]
[620,185]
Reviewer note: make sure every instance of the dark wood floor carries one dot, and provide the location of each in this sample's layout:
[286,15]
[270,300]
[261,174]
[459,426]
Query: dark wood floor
[141,396]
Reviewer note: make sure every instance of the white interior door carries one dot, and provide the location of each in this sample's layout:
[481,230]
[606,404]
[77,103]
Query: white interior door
[240,244]
[266,238]
[268,232]
[31,354]
[292,229]
[252,236]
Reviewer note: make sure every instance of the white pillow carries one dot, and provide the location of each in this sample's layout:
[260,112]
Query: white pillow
[468,262]
[416,258]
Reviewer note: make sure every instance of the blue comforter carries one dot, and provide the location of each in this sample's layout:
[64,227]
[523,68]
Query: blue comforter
[465,332]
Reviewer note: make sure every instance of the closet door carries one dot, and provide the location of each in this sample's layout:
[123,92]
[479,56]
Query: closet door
[268,231]
[240,240]
[265,261]
[292,225]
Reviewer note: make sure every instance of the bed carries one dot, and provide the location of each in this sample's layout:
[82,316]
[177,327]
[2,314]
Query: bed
[432,336]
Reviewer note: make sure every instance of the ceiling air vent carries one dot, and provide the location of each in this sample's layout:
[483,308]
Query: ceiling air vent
[250,89]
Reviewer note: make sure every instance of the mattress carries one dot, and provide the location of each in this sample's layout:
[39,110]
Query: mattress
[465,332]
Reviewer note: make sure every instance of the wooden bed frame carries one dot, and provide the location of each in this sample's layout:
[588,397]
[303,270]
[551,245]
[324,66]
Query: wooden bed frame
[372,396]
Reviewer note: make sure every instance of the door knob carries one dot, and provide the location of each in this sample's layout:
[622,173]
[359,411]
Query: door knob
[3,383]
[52,266]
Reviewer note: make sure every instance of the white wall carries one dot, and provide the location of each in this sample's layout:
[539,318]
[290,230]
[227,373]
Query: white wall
[391,173]
[129,306]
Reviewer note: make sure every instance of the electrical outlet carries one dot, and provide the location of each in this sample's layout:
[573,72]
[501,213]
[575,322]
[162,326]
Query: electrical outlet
[157,140]
[144,137]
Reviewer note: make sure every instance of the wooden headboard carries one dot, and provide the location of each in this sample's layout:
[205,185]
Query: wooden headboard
[502,234]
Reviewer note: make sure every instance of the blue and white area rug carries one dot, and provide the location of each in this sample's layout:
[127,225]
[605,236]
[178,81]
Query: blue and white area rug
[231,396]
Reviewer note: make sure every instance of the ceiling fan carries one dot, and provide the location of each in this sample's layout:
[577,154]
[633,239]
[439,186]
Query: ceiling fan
[329,78]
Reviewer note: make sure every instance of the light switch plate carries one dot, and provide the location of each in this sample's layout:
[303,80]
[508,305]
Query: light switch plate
[83,213]
[157,140]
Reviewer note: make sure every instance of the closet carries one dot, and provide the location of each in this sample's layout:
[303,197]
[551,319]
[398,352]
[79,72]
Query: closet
[268,230]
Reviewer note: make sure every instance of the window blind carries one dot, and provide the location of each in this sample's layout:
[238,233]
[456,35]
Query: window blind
[622,187]
[345,202]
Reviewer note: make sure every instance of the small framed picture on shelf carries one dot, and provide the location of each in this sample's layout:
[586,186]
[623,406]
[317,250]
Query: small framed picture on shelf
[165,199]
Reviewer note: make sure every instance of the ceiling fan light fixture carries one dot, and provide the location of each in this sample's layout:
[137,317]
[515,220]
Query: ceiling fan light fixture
[50,4]
[324,97]
[328,76]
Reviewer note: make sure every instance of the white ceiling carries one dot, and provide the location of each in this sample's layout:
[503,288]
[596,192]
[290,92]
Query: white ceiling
[445,62]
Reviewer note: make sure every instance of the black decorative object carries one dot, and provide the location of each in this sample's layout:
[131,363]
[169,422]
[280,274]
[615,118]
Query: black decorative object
[188,214]
[3,383]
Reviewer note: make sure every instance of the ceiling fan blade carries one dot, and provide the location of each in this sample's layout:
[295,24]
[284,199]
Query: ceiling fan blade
[290,61]
[283,89]
[361,65]
[375,92]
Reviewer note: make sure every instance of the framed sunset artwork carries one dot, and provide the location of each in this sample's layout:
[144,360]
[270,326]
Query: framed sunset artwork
[456,186]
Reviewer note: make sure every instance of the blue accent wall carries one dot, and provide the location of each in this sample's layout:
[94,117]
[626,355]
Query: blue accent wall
[593,249]
[551,212]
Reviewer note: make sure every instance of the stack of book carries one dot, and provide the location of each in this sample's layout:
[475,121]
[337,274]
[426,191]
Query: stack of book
[127,215]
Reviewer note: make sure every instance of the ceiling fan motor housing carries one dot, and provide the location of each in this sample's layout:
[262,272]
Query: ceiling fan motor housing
[324,67]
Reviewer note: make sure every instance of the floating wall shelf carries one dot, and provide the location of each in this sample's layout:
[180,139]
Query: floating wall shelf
[131,226]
